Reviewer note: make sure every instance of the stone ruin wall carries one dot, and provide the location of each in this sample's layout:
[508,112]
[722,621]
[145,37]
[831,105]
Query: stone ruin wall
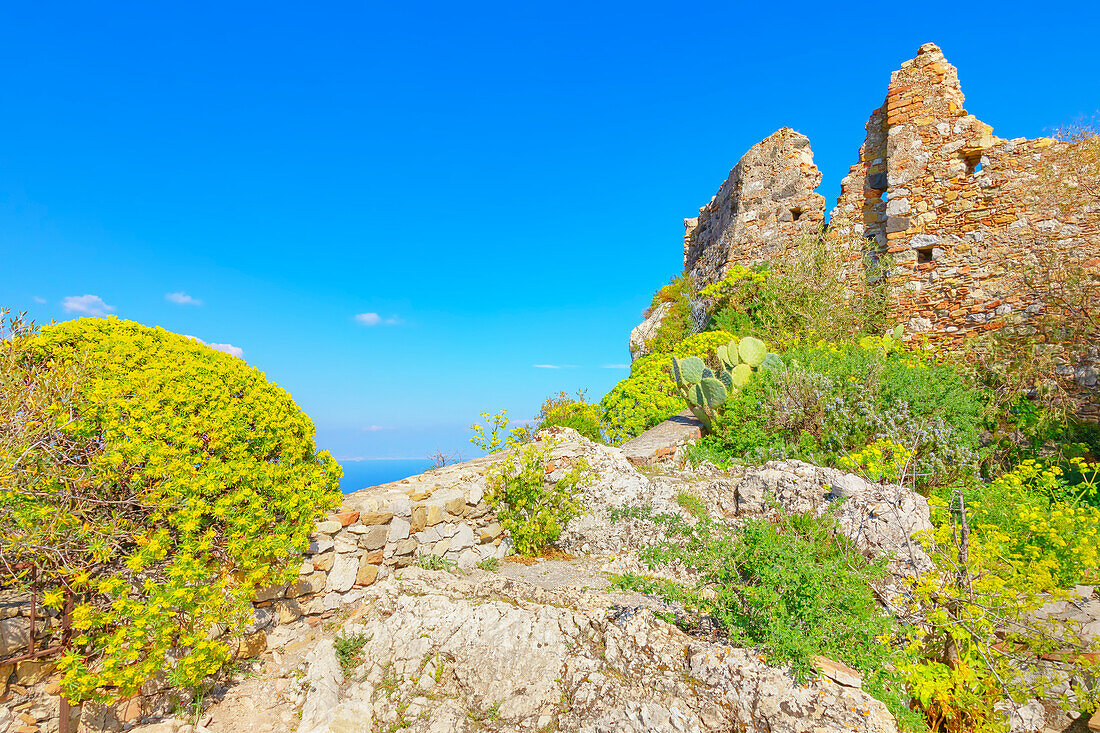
[769,199]
[952,206]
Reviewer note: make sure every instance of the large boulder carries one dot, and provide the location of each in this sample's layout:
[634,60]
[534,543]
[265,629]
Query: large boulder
[880,518]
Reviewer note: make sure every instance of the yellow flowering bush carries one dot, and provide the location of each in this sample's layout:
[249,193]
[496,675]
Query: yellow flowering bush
[186,481]
[882,460]
[1001,553]
[1042,522]
[531,508]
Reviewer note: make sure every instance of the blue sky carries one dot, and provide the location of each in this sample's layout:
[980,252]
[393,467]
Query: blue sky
[502,185]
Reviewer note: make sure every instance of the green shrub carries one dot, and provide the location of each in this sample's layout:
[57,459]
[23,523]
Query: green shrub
[796,587]
[826,401]
[531,509]
[818,288]
[678,322]
[175,481]
[565,411]
[649,395]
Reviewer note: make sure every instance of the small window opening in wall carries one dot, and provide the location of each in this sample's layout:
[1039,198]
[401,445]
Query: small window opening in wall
[973,162]
[796,213]
[924,255]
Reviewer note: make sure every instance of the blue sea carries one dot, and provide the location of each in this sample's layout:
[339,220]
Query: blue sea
[363,474]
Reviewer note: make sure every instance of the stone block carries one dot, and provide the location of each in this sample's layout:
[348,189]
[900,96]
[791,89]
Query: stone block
[419,518]
[323,561]
[401,506]
[252,645]
[371,518]
[840,673]
[345,518]
[342,575]
[491,532]
[373,558]
[375,539]
[33,671]
[270,593]
[405,547]
[346,543]
[329,526]
[434,515]
[15,635]
[315,583]
[468,559]
[463,537]
[399,529]
[288,610]
[367,574]
[320,543]
[440,548]
[475,495]
[456,506]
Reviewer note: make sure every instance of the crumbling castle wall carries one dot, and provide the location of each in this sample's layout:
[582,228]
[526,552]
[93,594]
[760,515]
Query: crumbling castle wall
[967,221]
[768,201]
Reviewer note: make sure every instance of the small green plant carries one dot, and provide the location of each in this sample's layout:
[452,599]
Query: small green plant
[531,508]
[494,434]
[490,713]
[430,561]
[571,412]
[349,650]
[491,564]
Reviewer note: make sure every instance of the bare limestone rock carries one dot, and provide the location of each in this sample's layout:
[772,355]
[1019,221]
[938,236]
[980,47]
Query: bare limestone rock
[324,678]
[531,658]
[647,330]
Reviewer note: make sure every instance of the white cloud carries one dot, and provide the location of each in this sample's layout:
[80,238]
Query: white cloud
[373,319]
[546,366]
[616,366]
[181,298]
[40,301]
[374,428]
[229,349]
[89,305]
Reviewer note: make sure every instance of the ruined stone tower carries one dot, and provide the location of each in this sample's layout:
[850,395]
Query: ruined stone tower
[960,214]
[767,201]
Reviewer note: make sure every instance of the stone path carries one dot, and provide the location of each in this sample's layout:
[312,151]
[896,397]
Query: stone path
[660,442]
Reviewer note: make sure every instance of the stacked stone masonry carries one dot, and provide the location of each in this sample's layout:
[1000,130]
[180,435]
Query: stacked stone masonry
[767,201]
[440,513]
[955,209]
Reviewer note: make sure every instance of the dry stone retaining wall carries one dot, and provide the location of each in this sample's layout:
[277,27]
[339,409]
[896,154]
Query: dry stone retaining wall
[441,513]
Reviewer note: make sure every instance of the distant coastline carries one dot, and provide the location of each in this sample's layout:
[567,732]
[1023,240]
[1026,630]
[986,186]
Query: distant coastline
[361,474]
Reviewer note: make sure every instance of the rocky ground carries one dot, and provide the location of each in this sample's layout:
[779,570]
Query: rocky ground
[550,646]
